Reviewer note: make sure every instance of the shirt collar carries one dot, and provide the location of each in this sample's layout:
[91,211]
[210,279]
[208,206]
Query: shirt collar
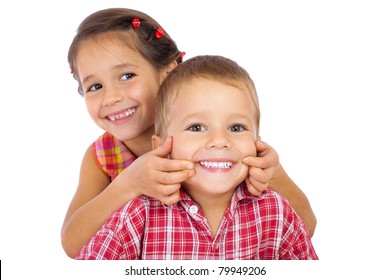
[241,193]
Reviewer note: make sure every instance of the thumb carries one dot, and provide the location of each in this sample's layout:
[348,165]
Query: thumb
[261,146]
[165,149]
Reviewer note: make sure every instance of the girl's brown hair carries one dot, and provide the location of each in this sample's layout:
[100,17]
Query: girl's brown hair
[160,52]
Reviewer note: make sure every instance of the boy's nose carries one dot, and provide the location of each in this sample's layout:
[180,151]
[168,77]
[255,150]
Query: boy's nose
[111,96]
[219,140]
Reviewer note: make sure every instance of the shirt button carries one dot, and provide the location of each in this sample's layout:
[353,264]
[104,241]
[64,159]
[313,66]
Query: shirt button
[193,209]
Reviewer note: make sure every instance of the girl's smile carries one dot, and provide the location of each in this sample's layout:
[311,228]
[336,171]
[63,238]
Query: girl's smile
[122,116]
[119,87]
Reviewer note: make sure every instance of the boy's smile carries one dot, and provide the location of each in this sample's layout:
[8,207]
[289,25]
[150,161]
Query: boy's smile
[213,125]
[216,165]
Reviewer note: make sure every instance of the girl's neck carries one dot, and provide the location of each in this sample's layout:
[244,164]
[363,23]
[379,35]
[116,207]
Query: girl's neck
[141,144]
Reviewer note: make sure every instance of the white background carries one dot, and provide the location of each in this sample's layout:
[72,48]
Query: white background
[322,71]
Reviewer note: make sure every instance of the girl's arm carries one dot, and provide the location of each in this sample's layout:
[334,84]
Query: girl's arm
[266,171]
[282,183]
[97,197]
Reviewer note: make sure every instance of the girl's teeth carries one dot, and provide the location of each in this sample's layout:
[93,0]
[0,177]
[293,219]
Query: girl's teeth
[210,164]
[122,115]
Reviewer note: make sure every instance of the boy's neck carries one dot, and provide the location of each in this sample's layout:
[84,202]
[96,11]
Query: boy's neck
[213,207]
[141,144]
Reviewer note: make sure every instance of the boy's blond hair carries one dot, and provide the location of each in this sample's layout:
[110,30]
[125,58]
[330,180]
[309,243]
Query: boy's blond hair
[210,67]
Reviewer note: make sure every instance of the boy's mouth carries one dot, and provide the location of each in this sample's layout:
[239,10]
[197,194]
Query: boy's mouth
[216,164]
[121,115]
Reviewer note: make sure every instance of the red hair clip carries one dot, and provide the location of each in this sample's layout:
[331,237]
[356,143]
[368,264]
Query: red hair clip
[71,69]
[135,23]
[182,54]
[159,33]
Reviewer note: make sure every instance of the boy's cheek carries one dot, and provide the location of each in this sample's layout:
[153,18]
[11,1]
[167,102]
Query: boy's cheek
[181,149]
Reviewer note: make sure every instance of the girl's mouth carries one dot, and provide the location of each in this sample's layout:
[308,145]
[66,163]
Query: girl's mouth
[121,115]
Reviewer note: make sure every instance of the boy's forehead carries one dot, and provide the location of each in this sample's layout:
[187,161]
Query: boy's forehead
[201,92]
[209,86]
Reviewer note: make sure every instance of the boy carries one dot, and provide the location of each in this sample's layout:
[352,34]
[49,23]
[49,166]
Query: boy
[209,106]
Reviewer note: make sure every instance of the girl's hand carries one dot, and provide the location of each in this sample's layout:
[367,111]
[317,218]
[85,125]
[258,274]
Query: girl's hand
[154,175]
[261,168]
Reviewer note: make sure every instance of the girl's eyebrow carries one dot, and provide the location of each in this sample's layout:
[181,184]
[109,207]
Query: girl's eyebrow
[124,65]
[115,67]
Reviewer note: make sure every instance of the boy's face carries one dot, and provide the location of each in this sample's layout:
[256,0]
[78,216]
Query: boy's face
[213,125]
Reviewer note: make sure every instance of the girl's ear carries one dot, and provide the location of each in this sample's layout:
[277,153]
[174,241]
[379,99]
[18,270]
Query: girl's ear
[156,142]
[168,69]
[171,66]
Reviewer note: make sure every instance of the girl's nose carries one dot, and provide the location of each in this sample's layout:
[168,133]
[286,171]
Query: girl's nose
[111,96]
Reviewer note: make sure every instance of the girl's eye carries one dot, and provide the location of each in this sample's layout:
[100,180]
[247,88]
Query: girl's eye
[196,128]
[95,87]
[126,76]
[237,128]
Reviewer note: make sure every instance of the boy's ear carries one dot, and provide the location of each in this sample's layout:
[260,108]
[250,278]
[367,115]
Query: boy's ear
[156,142]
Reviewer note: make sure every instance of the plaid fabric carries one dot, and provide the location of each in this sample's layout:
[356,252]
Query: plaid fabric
[112,155]
[263,227]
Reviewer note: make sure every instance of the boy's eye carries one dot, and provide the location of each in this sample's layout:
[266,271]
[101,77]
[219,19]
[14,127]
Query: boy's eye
[196,128]
[237,128]
[95,87]
[126,76]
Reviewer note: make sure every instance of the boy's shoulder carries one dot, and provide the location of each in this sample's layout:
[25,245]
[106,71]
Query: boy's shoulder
[274,202]
[134,210]
[267,195]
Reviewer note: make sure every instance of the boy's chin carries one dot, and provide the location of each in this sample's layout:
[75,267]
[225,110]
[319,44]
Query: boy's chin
[215,185]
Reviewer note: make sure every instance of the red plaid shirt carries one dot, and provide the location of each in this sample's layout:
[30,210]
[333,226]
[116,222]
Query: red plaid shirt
[263,227]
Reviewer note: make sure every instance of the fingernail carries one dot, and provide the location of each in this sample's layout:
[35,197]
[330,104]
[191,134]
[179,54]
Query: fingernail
[245,160]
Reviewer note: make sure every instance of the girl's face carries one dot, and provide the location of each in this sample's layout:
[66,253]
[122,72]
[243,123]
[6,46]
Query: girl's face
[213,125]
[119,86]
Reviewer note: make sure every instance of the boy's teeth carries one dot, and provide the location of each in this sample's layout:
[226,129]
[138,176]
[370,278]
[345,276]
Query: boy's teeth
[122,115]
[211,164]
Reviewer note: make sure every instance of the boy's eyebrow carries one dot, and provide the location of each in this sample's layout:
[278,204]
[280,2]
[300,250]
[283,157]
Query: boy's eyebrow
[200,114]
[115,67]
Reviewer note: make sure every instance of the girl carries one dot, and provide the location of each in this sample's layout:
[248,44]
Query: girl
[120,58]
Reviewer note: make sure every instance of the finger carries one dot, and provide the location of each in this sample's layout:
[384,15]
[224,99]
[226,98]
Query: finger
[260,162]
[266,157]
[262,176]
[261,146]
[263,149]
[167,194]
[171,199]
[163,150]
[169,178]
[255,190]
[167,190]
[172,165]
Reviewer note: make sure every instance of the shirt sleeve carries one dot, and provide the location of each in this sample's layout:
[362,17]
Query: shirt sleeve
[296,242]
[120,237]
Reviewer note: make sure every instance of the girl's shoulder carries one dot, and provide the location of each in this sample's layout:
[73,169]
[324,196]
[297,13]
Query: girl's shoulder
[111,154]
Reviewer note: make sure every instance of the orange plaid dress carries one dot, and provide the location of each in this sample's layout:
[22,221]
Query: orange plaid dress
[112,155]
